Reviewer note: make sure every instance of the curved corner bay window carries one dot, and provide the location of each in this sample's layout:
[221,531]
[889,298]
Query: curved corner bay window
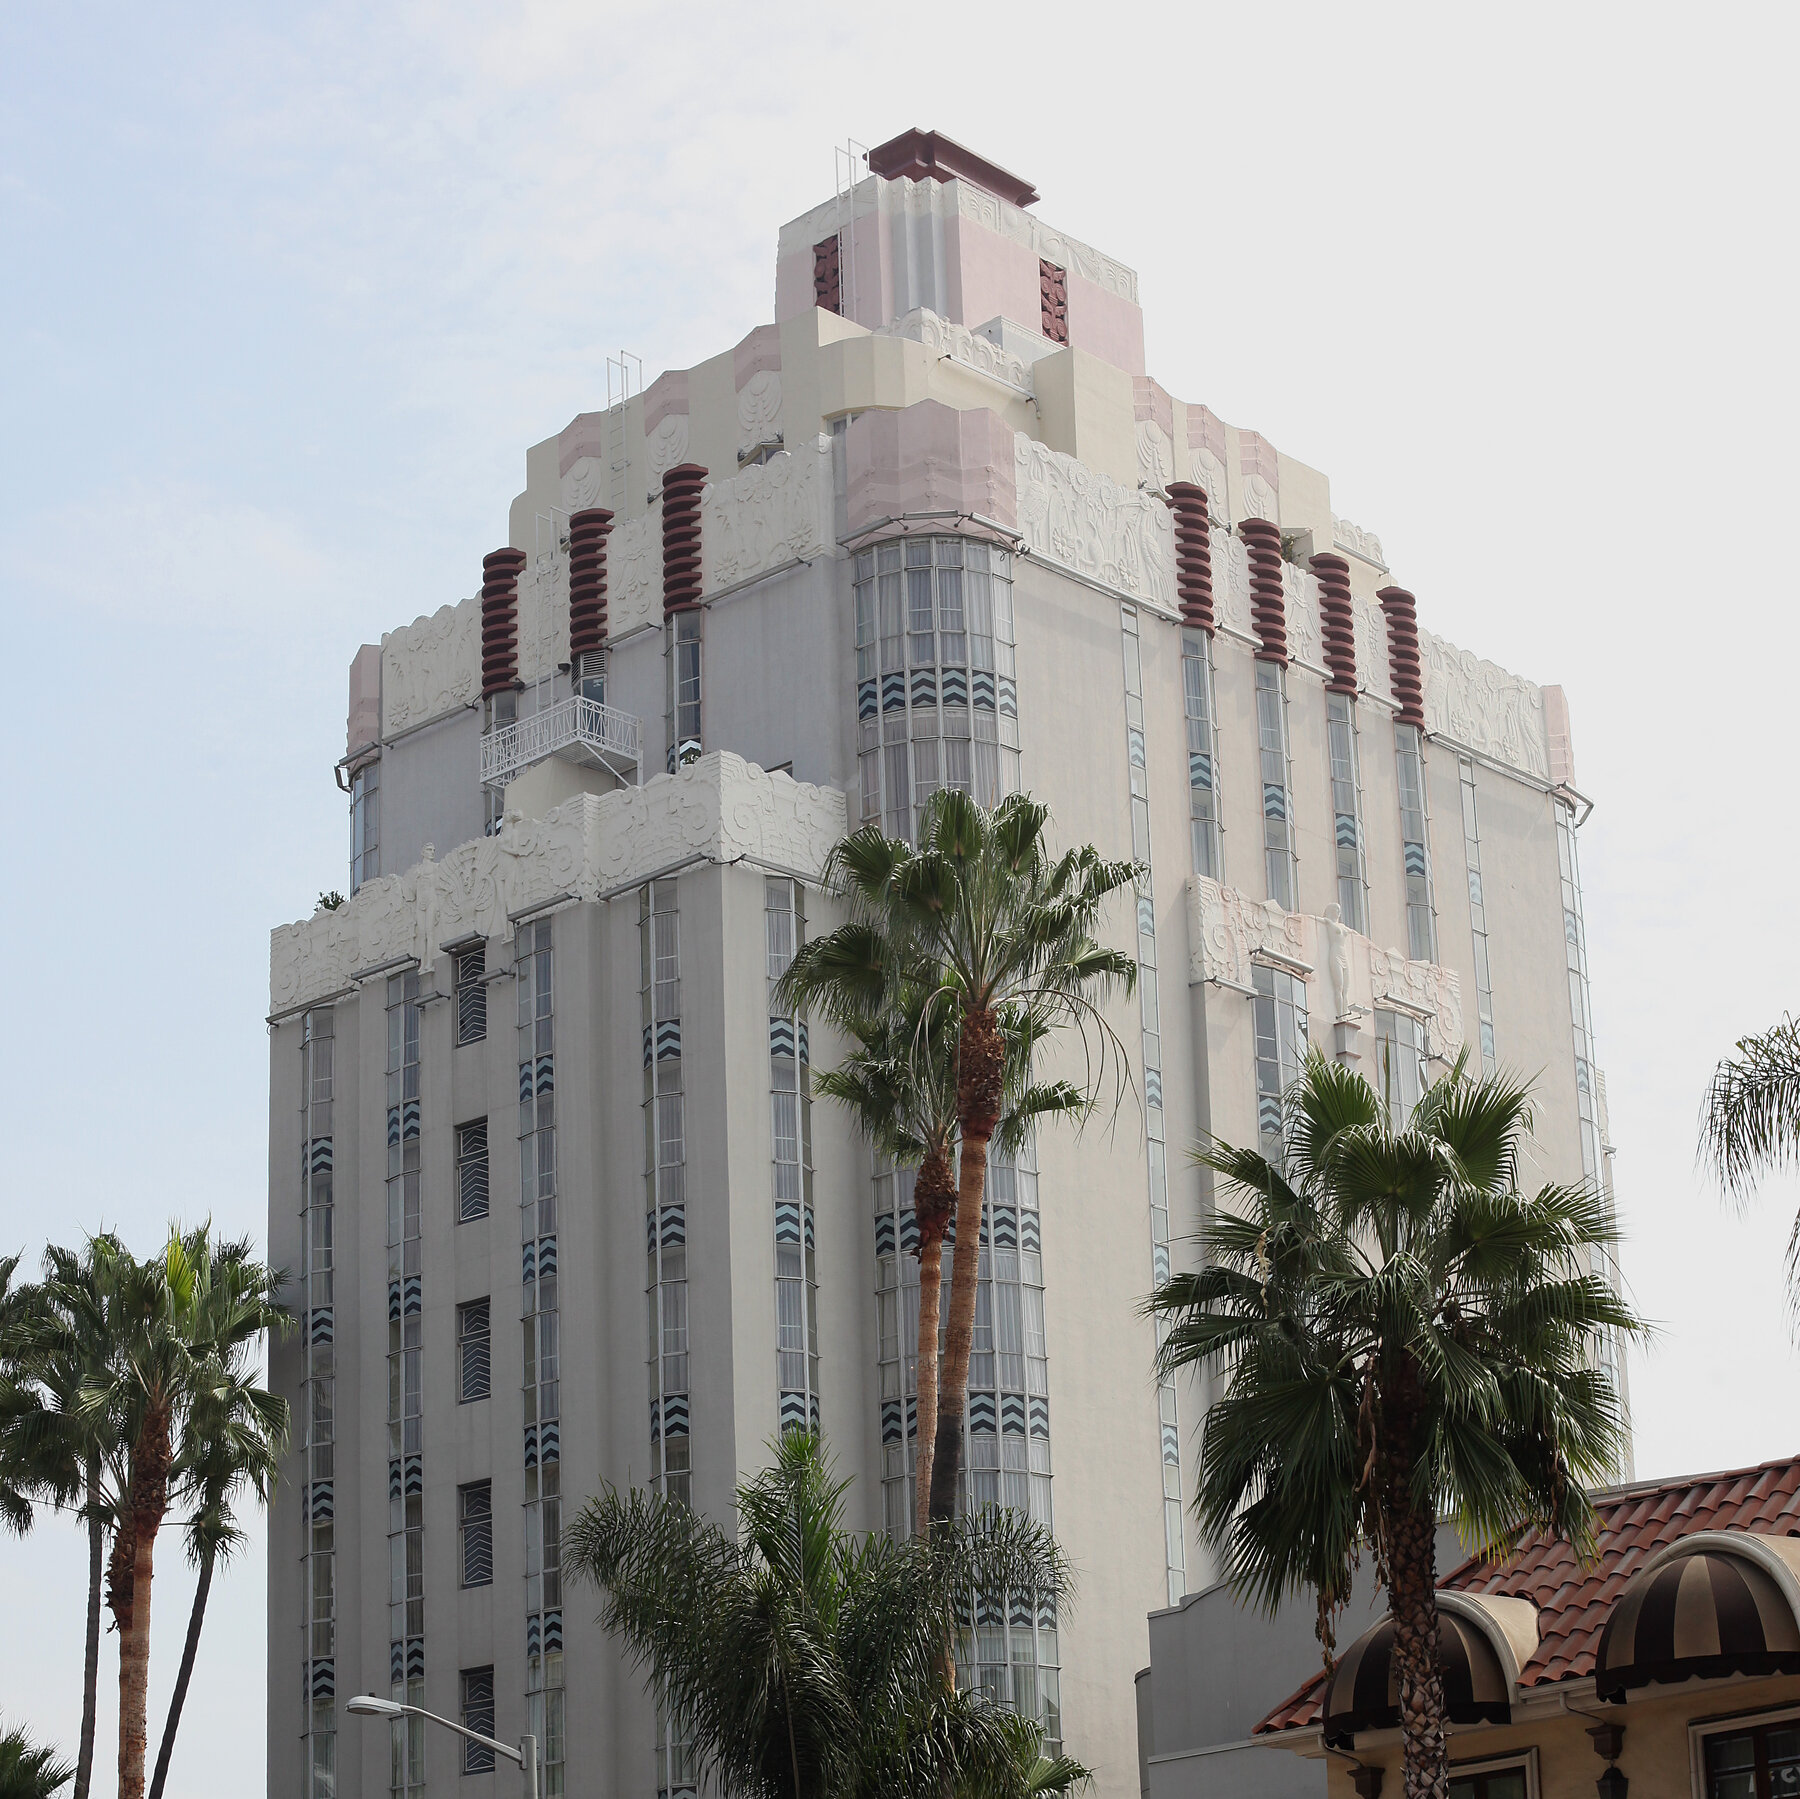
[1280,1011]
[936,694]
[1346,809]
[1409,762]
[682,650]
[365,824]
[1277,784]
[1203,750]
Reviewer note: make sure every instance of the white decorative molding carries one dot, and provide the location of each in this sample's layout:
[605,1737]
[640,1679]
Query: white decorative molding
[581,485]
[1155,454]
[720,808]
[983,208]
[1423,988]
[1374,673]
[759,410]
[667,445]
[1205,467]
[775,512]
[1300,602]
[1260,500]
[1483,707]
[961,345]
[1227,929]
[1118,537]
[1353,540]
[634,575]
[544,615]
[1231,583]
[431,667]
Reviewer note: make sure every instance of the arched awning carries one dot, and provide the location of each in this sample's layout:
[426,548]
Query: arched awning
[1702,1612]
[1364,1690]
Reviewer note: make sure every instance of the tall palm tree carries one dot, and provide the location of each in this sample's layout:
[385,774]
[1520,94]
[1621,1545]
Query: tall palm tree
[55,1447]
[899,1083]
[1750,1125]
[29,1770]
[175,1319]
[1405,1334]
[235,1434]
[1001,922]
[804,1660]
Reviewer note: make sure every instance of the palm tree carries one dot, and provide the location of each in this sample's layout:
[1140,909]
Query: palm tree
[1750,1125]
[804,1660]
[900,1085]
[28,1771]
[176,1320]
[54,1447]
[236,1432]
[1000,922]
[1405,1335]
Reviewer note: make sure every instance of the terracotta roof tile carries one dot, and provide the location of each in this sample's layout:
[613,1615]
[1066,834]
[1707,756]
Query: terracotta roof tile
[1573,1600]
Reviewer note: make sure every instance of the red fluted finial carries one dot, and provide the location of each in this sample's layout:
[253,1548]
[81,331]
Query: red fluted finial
[587,580]
[1337,622]
[500,620]
[1402,612]
[1268,606]
[681,536]
[1193,553]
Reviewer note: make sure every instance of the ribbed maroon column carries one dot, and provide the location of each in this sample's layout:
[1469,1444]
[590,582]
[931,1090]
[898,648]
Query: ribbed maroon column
[1402,612]
[500,621]
[587,580]
[681,536]
[1337,622]
[1268,606]
[1193,554]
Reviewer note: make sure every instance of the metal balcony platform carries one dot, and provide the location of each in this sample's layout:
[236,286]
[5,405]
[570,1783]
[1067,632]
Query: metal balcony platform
[577,730]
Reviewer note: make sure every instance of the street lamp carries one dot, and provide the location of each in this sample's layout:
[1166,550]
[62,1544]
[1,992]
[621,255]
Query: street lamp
[366,1705]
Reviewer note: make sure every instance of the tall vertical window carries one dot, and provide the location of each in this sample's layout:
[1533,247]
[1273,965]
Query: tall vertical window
[790,1120]
[475,1533]
[1279,1006]
[365,824]
[1409,762]
[665,1172]
[478,1714]
[1277,786]
[474,1351]
[1203,751]
[1346,808]
[1484,986]
[1400,1050]
[936,690]
[471,995]
[318,1509]
[683,652]
[471,1171]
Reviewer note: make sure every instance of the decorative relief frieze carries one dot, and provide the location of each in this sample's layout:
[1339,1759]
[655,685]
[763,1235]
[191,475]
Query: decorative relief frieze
[1353,540]
[759,410]
[1300,602]
[666,446]
[773,513]
[634,574]
[1156,455]
[1483,707]
[1019,227]
[1071,515]
[720,808]
[581,485]
[544,616]
[431,667]
[961,345]
[1229,932]
[1231,593]
[1373,670]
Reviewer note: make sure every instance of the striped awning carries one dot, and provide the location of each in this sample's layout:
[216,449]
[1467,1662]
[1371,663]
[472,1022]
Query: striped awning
[1700,1616]
[1364,1692]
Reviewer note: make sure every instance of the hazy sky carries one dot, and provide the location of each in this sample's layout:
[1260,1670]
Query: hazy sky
[288,290]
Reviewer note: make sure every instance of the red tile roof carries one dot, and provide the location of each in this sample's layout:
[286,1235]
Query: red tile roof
[1574,1601]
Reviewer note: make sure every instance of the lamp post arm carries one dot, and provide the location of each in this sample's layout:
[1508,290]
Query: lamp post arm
[509,1750]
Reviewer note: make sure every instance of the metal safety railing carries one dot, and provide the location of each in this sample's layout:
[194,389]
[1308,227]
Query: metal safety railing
[577,729]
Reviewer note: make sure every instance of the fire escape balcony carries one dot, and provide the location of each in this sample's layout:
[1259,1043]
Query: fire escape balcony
[577,730]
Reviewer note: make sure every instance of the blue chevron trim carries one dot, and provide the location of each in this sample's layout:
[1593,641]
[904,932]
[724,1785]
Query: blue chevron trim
[1134,746]
[1006,1228]
[655,1421]
[1200,770]
[981,688]
[393,1480]
[865,699]
[884,1233]
[646,1046]
[409,1120]
[808,1228]
[675,1415]
[1009,697]
[1275,800]
[1159,1263]
[893,691]
[550,1441]
[674,1226]
[1012,1414]
[1018,1611]
[553,1640]
[1046,1611]
[413,1299]
[668,1040]
[393,1301]
[393,1127]
[793,1411]
[805,1046]
[534,1634]
[546,1074]
[956,687]
[924,687]
[415,1658]
[1040,1415]
[989,1610]
[528,1259]
[982,1414]
[1153,1087]
[781,1037]
[1415,858]
[909,1230]
[531,1444]
[1146,916]
[546,1255]
[324,1679]
[324,1503]
[1268,1115]
[787,1221]
[321,1325]
[321,1155]
[1171,1445]
[893,1428]
[524,1080]
[1348,836]
[415,1475]
[396,1661]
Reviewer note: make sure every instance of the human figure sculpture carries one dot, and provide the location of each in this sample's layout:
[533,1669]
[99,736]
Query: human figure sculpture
[427,908]
[508,850]
[1337,950]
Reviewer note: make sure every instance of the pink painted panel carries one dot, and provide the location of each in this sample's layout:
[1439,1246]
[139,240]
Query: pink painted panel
[1106,326]
[929,458]
[993,276]
[583,435]
[666,395]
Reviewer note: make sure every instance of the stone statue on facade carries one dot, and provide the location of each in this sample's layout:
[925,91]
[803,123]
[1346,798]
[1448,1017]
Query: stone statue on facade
[1337,954]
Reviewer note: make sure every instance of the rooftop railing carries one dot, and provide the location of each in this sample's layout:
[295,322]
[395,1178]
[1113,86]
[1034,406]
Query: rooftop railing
[576,729]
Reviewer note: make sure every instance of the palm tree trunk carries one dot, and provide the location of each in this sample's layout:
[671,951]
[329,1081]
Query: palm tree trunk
[1411,1556]
[931,1281]
[90,1671]
[191,1648]
[148,1501]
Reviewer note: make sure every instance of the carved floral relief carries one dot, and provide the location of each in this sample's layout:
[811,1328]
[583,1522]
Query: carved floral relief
[1071,515]
[431,667]
[775,512]
[1483,707]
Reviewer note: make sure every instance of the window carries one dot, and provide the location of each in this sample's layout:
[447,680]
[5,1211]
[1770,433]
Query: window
[537,1079]
[589,676]
[471,1171]
[1491,1783]
[1409,762]
[1346,807]
[471,995]
[475,1532]
[1280,1011]
[365,824]
[478,1714]
[472,1351]
[1272,743]
[1202,746]
[684,659]
[1399,1062]
[796,1281]
[1484,987]
[1762,1762]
